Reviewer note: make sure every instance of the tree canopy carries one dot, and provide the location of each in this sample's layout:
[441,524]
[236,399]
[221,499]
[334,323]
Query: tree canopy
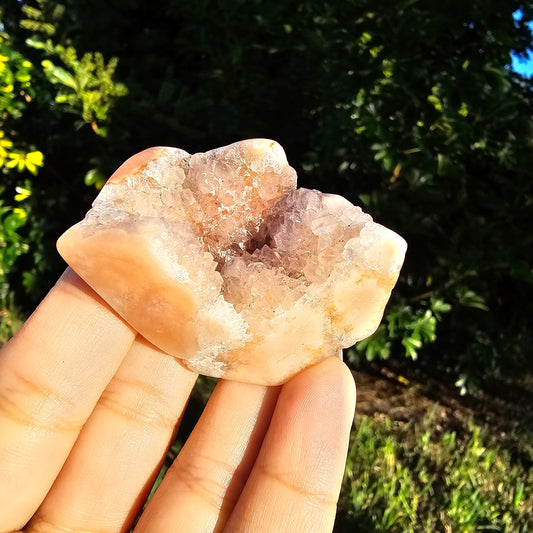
[410,110]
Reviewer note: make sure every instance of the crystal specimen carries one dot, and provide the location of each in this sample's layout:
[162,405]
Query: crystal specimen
[218,259]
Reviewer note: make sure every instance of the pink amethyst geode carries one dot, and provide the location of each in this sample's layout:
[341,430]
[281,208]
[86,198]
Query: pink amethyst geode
[217,259]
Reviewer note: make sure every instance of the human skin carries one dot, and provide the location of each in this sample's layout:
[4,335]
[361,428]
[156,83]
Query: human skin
[88,410]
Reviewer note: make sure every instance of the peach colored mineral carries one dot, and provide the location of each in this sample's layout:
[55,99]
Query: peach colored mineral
[218,259]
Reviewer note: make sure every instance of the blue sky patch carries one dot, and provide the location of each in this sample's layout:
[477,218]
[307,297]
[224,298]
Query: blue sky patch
[521,65]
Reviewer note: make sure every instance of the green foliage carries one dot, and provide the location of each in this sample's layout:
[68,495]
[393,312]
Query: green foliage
[11,243]
[42,17]
[416,478]
[86,89]
[34,95]
[414,328]
[411,111]
[12,246]
[435,139]
[86,86]
[16,156]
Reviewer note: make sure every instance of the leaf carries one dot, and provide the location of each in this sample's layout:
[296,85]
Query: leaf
[469,298]
[60,75]
[94,178]
[35,42]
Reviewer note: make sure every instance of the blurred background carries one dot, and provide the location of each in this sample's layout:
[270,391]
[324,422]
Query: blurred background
[420,112]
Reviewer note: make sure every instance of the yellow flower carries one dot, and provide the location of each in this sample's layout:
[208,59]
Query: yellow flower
[22,214]
[4,143]
[16,160]
[3,61]
[22,193]
[34,160]
[30,161]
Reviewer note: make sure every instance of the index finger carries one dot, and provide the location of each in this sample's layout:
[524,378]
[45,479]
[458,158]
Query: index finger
[51,376]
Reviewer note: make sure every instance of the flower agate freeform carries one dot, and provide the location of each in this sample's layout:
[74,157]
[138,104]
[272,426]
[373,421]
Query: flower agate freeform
[217,259]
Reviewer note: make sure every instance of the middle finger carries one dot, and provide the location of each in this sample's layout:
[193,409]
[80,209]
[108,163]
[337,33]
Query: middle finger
[201,487]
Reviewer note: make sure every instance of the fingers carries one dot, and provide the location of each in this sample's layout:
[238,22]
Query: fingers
[206,479]
[119,452]
[296,480]
[51,376]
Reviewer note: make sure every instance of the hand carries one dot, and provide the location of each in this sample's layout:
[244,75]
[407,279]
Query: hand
[88,411]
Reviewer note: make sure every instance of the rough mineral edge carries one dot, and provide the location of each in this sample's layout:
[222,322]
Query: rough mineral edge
[203,256]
